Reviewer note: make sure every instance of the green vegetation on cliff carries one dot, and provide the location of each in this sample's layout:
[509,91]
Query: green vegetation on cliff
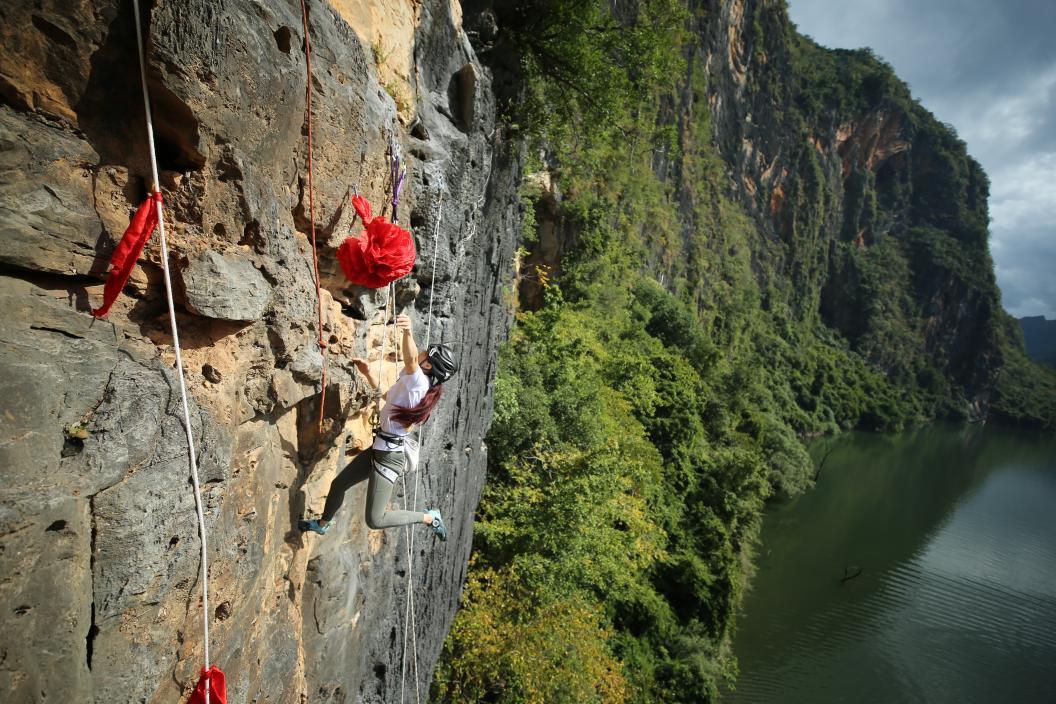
[910,281]
[677,354]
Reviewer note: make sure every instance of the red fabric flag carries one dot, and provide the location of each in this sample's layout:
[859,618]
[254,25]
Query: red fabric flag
[382,253]
[362,208]
[124,258]
[217,687]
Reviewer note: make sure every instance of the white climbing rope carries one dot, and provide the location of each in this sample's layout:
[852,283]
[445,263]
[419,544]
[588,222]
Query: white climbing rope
[409,534]
[408,619]
[381,364]
[176,343]
[436,249]
[432,284]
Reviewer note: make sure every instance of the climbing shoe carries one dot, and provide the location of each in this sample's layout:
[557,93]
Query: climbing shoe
[438,524]
[313,525]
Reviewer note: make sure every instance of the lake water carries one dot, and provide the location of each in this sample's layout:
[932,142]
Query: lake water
[954,531]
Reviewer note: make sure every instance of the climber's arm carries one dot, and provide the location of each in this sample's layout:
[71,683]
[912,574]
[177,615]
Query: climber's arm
[410,350]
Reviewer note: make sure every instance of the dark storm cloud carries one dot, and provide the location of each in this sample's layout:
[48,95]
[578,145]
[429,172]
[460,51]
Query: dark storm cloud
[1047,125]
[942,47]
[991,46]
[989,69]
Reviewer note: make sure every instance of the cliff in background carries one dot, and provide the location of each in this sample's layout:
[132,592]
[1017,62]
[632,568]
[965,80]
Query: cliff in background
[869,219]
[98,540]
[1039,336]
[872,213]
[741,241]
[874,217]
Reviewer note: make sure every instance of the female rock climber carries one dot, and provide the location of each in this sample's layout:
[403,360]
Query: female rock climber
[408,402]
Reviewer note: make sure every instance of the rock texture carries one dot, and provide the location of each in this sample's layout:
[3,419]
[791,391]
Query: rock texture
[98,539]
[225,287]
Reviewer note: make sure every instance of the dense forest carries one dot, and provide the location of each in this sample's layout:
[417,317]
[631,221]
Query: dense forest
[691,314]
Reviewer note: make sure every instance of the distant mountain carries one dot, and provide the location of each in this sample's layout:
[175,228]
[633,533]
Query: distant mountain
[1040,336]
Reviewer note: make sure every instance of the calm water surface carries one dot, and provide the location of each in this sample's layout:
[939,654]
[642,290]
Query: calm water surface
[954,530]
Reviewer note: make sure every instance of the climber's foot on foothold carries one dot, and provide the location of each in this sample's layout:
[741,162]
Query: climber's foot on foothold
[314,526]
[438,524]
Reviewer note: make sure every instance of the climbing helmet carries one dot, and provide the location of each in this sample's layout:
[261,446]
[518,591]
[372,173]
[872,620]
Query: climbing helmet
[442,359]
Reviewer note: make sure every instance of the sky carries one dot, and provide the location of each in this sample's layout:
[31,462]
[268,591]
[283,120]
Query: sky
[987,67]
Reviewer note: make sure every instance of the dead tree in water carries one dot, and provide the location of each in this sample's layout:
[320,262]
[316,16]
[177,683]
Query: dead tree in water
[821,465]
[848,575]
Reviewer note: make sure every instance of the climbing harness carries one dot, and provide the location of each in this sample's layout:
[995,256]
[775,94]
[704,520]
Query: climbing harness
[211,680]
[408,445]
[393,441]
[323,348]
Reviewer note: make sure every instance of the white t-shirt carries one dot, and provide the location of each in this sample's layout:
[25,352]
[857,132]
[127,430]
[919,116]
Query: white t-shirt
[407,392]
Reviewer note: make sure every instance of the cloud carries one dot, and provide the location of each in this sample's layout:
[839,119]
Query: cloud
[989,69]
[1024,195]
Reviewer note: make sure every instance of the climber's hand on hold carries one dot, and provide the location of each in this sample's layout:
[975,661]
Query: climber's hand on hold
[410,350]
[364,369]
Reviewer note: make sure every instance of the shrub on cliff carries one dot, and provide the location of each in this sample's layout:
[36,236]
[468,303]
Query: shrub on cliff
[584,63]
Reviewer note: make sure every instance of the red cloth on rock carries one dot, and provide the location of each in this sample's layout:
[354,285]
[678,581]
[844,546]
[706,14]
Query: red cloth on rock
[217,687]
[124,258]
[382,253]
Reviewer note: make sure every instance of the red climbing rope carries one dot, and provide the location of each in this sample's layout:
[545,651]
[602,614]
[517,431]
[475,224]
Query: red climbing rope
[125,256]
[311,215]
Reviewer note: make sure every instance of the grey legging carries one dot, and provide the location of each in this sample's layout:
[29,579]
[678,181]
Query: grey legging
[379,491]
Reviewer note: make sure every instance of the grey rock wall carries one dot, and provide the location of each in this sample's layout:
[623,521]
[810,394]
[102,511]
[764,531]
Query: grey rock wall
[99,547]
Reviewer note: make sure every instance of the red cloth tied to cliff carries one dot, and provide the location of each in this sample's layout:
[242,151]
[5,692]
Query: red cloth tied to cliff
[382,253]
[125,256]
[217,687]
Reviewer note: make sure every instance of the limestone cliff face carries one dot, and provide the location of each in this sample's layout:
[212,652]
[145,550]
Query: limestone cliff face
[870,218]
[98,539]
[871,210]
